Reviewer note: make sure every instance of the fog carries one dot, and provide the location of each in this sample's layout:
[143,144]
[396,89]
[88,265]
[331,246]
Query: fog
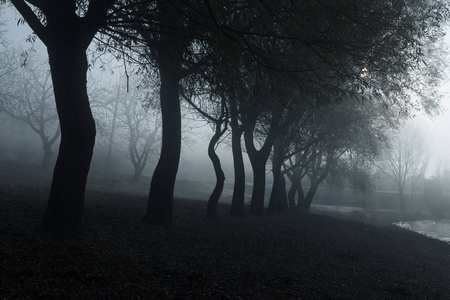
[21,145]
[133,185]
[194,164]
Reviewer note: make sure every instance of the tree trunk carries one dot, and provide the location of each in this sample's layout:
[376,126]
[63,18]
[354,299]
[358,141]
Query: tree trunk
[259,186]
[137,173]
[237,201]
[160,201]
[295,179]
[211,212]
[306,204]
[65,204]
[401,198]
[284,205]
[291,196]
[47,146]
[300,193]
[275,201]
[47,155]
[258,159]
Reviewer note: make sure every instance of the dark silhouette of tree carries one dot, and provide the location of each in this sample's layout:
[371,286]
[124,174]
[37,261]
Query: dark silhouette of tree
[334,50]
[67,28]
[204,101]
[343,53]
[220,127]
[237,201]
[258,158]
[172,44]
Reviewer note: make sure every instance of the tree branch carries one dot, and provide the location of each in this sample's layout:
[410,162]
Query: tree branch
[31,18]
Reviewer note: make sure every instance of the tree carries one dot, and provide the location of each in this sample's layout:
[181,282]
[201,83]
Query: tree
[328,46]
[327,140]
[113,129]
[67,28]
[29,100]
[338,51]
[220,127]
[406,160]
[141,119]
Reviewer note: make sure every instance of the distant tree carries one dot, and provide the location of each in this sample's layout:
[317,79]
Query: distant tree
[360,173]
[141,122]
[338,51]
[115,112]
[327,140]
[128,119]
[29,100]
[406,160]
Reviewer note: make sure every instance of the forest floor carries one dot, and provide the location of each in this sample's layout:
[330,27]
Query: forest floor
[279,256]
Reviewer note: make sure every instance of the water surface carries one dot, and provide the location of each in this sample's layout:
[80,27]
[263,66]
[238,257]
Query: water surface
[435,229]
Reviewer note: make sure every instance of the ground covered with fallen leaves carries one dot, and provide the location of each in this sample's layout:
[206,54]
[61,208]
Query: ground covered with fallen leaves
[280,256]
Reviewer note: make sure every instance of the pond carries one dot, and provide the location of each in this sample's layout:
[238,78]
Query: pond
[435,229]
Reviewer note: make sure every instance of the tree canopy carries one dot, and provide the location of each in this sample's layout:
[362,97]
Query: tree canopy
[273,64]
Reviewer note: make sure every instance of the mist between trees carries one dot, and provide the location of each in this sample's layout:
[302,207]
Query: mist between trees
[310,91]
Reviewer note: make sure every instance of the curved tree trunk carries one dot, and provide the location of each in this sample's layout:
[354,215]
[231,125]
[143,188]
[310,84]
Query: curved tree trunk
[160,200]
[211,212]
[65,205]
[237,201]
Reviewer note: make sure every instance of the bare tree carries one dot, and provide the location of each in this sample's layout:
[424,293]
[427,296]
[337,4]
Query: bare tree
[29,99]
[406,160]
[128,120]
[141,128]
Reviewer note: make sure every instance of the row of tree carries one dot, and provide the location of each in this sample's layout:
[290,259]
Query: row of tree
[122,119]
[280,74]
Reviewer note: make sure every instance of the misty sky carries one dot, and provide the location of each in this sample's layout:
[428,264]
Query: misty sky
[437,129]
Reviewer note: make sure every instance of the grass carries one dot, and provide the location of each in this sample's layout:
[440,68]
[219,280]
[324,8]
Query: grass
[284,256]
